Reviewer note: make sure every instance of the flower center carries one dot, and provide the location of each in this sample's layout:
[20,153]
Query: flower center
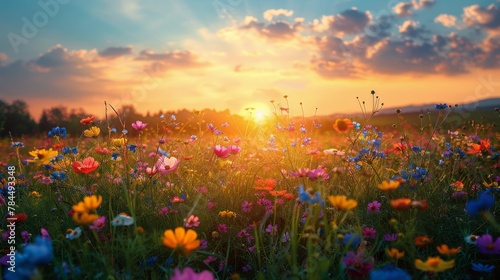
[433,262]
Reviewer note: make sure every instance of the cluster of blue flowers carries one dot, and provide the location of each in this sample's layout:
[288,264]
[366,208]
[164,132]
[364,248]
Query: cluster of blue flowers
[34,254]
[484,202]
[58,131]
[449,152]
[58,175]
[17,145]
[305,197]
[68,150]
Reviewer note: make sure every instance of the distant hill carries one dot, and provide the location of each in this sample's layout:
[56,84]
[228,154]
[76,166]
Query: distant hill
[484,104]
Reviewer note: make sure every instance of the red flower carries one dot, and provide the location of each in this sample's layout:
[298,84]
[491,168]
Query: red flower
[87,120]
[21,217]
[422,240]
[85,166]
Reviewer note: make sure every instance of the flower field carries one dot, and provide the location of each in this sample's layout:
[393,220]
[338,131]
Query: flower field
[284,199]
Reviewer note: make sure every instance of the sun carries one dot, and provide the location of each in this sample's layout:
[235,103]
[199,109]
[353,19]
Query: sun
[257,112]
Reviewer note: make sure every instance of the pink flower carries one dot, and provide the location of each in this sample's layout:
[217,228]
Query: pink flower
[98,224]
[374,207]
[45,234]
[358,264]
[369,232]
[167,165]
[222,228]
[151,171]
[211,205]
[221,151]
[234,149]
[192,221]
[189,274]
[246,206]
[139,126]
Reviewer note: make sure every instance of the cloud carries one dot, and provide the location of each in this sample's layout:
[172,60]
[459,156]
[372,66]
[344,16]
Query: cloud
[412,29]
[446,20]
[422,4]
[269,14]
[277,30]
[115,52]
[403,9]
[171,60]
[347,22]
[476,15]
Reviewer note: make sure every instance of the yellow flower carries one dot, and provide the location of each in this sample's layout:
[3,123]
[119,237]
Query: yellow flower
[89,203]
[341,203]
[119,141]
[84,210]
[434,264]
[84,218]
[181,240]
[43,156]
[227,213]
[92,132]
[388,185]
[394,253]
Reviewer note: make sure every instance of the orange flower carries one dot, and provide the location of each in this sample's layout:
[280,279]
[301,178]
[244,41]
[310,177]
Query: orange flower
[181,240]
[85,166]
[388,185]
[343,125]
[87,120]
[394,253]
[483,145]
[400,203]
[434,264]
[422,240]
[445,250]
[266,185]
[459,186]
[84,218]
[277,193]
[341,203]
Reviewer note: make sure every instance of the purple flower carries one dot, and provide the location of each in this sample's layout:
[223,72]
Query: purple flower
[373,207]
[390,237]
[45,234]
[188,273]
[246,206]
[318,173]
[272,229]
[203,244]
[358,265]
[487,246]
[25,236]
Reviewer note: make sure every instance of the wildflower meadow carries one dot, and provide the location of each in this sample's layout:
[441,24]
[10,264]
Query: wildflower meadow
[281,198]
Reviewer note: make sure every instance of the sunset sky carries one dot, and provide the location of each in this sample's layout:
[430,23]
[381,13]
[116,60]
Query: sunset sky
[168,55]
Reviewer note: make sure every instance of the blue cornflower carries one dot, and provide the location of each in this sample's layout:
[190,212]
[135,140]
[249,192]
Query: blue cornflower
[441,106]
[58,131]
[389,272]
[305,197]
[351,239]
[193,137]
[132,148]
[113,129]
[484,202]
[17,145]
[149,262]
[479,267]
[124,131]
[68,150]
[114,156]
[416,149]
[357,125]
[58,175]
